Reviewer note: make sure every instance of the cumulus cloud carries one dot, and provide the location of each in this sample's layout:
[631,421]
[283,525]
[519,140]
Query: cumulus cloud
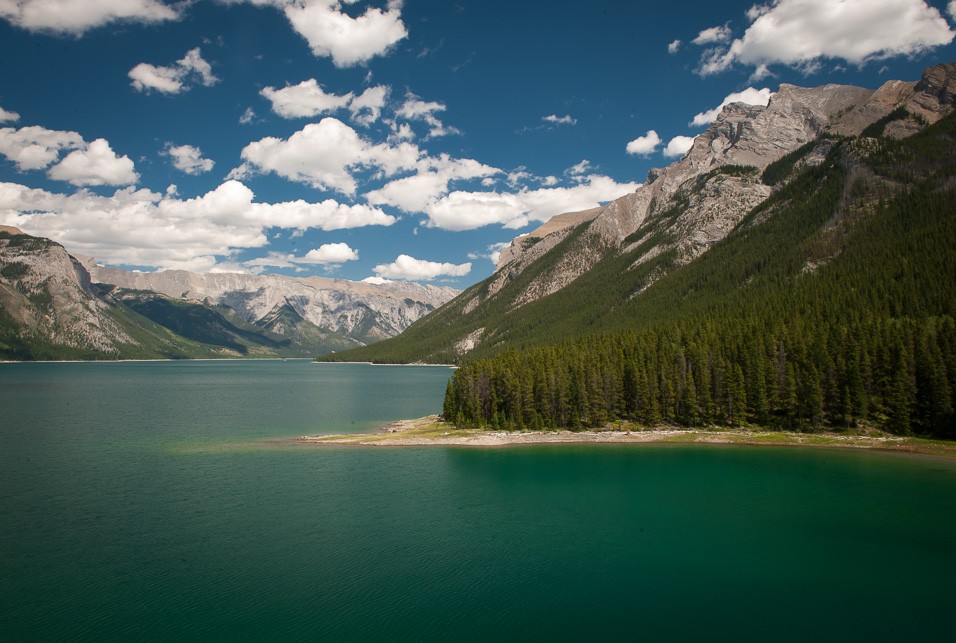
[801,33]
[328,254]
[34,147]
[750,96]
[323,155]
[409,268]
[304,100]
[415,108]
[720,33]
[8,116]
[952,9]
[98,164]
[554,119]
[367,106]
[164,231]
[175,78]
[415,193]
[346,40]
[309,99]
[188,159]
[674,47]
[644,145]
[461,210]
[678,146]
[78,16]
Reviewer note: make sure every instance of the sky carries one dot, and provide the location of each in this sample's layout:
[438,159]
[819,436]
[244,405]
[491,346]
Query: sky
[388,140]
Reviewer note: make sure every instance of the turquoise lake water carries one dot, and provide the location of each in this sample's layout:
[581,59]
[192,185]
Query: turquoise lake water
[155,501]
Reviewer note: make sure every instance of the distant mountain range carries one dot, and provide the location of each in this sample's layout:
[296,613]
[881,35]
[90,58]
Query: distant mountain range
[601,269]
[55,306]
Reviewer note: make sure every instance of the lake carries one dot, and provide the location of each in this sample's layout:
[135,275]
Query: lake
[158,501]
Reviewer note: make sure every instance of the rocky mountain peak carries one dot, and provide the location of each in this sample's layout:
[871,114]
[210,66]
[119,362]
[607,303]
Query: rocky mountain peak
[700,198]
[362,311]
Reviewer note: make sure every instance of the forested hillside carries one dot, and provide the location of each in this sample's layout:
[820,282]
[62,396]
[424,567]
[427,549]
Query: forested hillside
[831,304]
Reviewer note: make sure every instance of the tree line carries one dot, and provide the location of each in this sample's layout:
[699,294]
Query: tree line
[898,374]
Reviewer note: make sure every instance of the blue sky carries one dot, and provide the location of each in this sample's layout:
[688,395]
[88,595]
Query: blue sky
[387,139]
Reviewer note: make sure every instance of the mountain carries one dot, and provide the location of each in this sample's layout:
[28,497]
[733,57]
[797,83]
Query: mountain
[831,305]
[51,307]
[356,313]
[579,271]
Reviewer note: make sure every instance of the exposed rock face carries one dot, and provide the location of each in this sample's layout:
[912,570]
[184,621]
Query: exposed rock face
[362,311]
[48,296]
[693,203]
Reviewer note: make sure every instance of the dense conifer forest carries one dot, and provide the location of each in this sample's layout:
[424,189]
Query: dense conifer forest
[832,305]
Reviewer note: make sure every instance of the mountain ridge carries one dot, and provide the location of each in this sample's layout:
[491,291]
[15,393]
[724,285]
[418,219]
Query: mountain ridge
[55,306]
[737,165]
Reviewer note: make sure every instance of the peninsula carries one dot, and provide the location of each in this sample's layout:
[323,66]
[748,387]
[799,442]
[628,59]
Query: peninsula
[432,430]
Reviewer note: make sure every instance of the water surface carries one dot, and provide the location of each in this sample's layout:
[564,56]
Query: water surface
[135,506]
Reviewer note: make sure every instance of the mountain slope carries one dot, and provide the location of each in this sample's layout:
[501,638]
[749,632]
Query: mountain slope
[51,308]
[833,304]
[589,271]
[346,313]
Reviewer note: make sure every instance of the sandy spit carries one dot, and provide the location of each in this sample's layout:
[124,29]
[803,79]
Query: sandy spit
[431,431]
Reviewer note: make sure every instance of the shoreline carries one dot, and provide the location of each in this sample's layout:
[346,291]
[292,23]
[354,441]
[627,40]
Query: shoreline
[432,431]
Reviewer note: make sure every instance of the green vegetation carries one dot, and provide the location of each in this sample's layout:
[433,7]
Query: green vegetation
[831,306]
[782,168]
[13,270]
[200,323]
[876,129]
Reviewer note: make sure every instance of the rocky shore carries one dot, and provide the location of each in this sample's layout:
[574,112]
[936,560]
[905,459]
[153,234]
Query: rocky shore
[432,431]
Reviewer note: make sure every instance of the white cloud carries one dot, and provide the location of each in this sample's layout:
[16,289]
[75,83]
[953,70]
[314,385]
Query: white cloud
[800,33]
[674,47]
[462,210]
[322,155]
[34,147]
[415,193]
[644,145]
[554,119]
[259,265]
[78,16]
[952,9]
[304,100]
[750,96]
[367,106]
[247,116]
[377,281]
[95,165]
[493,252]
[412,269]
[174,78]
[401,132]
[188,159]
[578,169]
[348,41]
[678,146]
[720,33]
[415,108]
[308,99]
[140,227]
[330,253]
[8,116]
